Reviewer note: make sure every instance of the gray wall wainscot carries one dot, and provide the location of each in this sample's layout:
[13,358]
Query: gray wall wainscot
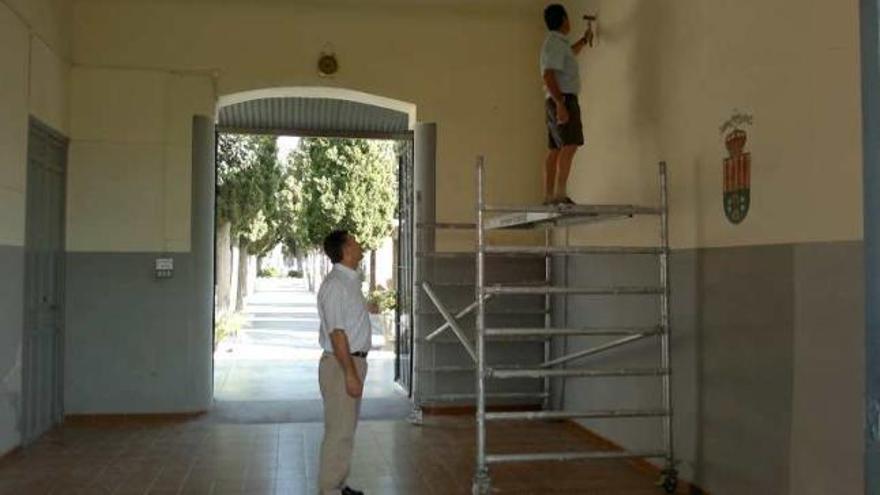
[768,367]
[129,342]
[11,332]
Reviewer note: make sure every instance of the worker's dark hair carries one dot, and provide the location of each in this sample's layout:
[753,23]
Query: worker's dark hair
[333,244]
[554,16]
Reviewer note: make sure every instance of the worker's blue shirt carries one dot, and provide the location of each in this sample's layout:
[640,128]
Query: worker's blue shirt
[557,55]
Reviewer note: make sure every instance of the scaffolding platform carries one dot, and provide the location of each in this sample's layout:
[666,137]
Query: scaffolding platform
[530,217]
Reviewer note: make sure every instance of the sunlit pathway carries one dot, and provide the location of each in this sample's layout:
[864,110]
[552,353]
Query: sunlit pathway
[269,372]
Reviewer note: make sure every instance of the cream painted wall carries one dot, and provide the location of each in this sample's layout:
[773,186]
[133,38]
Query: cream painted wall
[130,155]
[665,75]
[35,77]
[49,20]
[14,46]
[659,83]
[474,73]
[49,86]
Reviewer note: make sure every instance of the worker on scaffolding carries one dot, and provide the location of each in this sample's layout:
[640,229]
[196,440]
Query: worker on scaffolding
[562,83]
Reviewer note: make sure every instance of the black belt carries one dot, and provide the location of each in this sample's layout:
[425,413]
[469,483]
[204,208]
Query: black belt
[359,354]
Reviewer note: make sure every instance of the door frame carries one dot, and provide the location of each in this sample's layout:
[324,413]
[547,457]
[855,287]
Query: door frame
[406,260]
[870,51]
[407,137]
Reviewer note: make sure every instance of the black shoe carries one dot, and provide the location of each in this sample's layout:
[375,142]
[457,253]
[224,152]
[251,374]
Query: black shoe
[351,491]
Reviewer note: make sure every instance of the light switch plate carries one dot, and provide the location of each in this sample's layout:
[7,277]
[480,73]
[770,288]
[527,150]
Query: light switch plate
[164,267]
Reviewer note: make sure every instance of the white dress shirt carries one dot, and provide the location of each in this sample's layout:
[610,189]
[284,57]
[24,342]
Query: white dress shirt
[342,306]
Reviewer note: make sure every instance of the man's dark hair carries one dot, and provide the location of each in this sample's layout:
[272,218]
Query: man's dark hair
[554,16]
[333,244]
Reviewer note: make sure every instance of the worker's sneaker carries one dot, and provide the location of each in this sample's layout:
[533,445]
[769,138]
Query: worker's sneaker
[565,200]
[351,491]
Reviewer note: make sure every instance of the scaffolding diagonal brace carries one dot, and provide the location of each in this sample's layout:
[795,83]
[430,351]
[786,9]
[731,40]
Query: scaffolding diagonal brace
[596,350]
[461,314]
[450,320]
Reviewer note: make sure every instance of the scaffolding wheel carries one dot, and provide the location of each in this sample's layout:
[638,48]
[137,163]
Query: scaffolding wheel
[416,418]
[482,484]
[669,480]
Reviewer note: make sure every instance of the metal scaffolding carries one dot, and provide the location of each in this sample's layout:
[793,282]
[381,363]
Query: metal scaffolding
[432,341]
[492,217]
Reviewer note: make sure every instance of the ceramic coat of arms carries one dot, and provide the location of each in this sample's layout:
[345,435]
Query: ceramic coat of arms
[736,188]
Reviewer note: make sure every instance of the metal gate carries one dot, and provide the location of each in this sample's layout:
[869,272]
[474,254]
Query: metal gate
[403,337]
[42,370]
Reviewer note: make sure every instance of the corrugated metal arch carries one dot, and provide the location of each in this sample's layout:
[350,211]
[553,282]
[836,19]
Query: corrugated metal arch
[307,116]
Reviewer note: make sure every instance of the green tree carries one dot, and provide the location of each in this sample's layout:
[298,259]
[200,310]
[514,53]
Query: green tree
[255,193]
[255,197]
[344,183]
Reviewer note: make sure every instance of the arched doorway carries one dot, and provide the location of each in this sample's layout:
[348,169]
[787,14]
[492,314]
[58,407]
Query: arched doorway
[306,112]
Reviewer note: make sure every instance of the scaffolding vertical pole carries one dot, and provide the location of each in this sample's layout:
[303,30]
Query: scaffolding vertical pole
[481,484]
[669,471]
[565,271]
[548,279]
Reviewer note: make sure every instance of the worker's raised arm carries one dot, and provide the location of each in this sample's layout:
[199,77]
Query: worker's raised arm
[579,45]
[587,39]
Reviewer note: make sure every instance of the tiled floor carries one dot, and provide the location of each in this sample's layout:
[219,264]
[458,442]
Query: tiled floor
[391,457]
[255,442]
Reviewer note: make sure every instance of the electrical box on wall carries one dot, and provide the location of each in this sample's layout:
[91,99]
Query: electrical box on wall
[164,268]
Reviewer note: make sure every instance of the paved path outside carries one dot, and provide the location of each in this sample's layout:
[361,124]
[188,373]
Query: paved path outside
[269,372]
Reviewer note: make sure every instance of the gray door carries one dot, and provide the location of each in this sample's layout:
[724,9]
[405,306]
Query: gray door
[44,283]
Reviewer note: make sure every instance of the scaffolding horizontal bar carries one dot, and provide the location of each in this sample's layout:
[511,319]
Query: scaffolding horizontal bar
[589,291]
[461,369]
[571,210]
[553,415]
[446,255]
[446,284]
[495,312]
[573,456]
[470,255]
[470,284]
[567,220]
[574,372]
[578,250]
[585,332]
[502,338]
[498,395]
[445,369]
[446,226]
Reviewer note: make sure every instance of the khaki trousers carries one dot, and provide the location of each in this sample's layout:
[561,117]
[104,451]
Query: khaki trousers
[340,421]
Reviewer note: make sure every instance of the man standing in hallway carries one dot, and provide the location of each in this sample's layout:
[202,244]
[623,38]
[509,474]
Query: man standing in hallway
[562,83]
[345,338]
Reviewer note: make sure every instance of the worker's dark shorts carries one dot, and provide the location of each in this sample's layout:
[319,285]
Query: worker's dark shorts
[569,133]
